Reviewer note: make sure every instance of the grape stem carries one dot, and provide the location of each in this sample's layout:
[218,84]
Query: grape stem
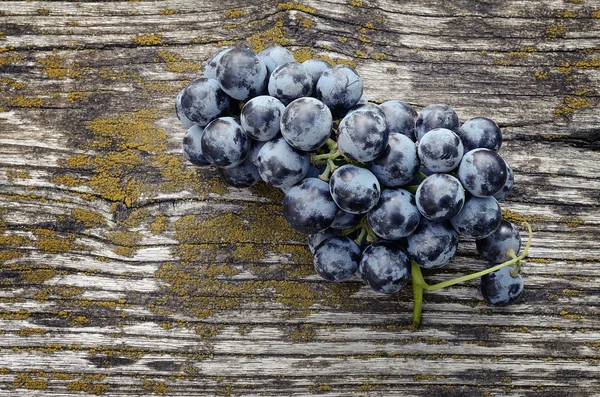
[412,189]
[421,175]
[361,236]
[327,156]
[419,284]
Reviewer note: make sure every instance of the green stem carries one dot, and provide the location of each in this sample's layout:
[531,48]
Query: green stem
[351,230]
[412,189]
[332,145]
[325,175]
[361,236]
[421,175]
[417,285]
[327,156]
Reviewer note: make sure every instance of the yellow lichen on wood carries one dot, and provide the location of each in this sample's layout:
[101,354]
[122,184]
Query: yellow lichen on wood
[160,224]
[571,104]
[88,387]
[296,6]
[555,31]
[51,242]
[566,14]
[76,96]
[541,75]
[89,218]
[232,14]
[305,22]
[22,101]
[148,39]
[26,332]
[54,68]
[176,63]
[355,3]
[266,38]
[155,387]
[24,381]
[168,12]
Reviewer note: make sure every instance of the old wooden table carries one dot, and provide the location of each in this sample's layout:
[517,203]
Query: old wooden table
[126,271]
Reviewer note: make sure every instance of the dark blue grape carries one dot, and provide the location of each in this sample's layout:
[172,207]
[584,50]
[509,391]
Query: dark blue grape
[502,287]
[367,106]
[241,176]
[482,172]
[289,82]
[385,267]
[224,142]
[506,189]
[339,87]
[354,189]
[400,118]
[203,100]
[314,172]
[179,111]
[336,259]
[440,197]
[495,247]
[281,165]
[241,74]
[478,218]
[440,150]
[315,67]
[363,135]
[432,244]
[344,220]
[275,56]
[480,132]
[261,116]
[395,215]
[315,239]
[435,116]
[308,206]
[398,164]
[255,147]
[210,70]
[306,124]
[192,147]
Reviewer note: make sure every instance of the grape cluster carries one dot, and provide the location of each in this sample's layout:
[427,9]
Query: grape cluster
[381,190]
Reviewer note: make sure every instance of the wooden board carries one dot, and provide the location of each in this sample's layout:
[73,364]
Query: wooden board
[126,271]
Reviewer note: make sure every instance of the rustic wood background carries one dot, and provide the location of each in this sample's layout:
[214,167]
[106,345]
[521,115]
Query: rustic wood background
[126,271]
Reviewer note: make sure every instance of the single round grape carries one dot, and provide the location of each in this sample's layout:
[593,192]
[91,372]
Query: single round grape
[440,150]
[385,267]
[260,117]
[289,82]
[367,106]
[281,165]
[315,67]
[306,124]
[275,56]
[339,87]
[242,175]
[241,74]
[224,142]
[210,70]
[432,244]
[495,247]
[482,172]
[308,206]
[354,189]
[507,188]
[478,218]
[203,101]
[440,197]
[480,132]
[400,117]
[435,116]
[362,135]
[255,147]
[398,164]
[179,111]
[192,147]
[315,239]
[502,287]
[336,259]
[395,215]
[344,220]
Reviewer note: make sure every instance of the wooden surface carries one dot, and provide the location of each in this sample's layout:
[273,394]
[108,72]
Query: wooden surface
[125,271]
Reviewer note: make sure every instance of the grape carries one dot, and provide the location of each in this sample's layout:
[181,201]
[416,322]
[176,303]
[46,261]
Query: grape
[336,259]
[308,206]
[210,71]
[275,56]
[370,106]
[440,150]
[241,74]
[362,135]
[440,197]
[260,117]
[482,172]
[344,220]
[179,111]
[339,87]
[317,238]
[203,100]
[494,247]
[315,67]
[398,164]
[510,181]
[432,244]
[502,287]
[224,142]
[281,165]
[306,124]
[314,172]
[395,215]
[478,218]
[435,116]
[354,189]
[385,267]
[480,132]
[241,176]
[192,148]
[290,81]
[400,118]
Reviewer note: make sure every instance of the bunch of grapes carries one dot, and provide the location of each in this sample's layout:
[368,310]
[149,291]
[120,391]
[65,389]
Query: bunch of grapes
[380,190]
